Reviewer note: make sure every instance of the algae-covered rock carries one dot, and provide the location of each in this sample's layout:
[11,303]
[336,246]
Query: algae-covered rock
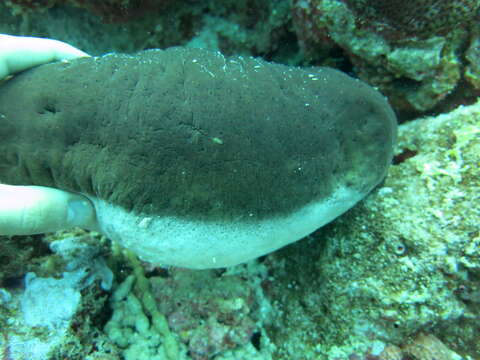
[416,65]
[52,315]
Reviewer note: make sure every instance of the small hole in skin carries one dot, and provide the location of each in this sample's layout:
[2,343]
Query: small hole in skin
[256,340]
[48,109]
[400,249]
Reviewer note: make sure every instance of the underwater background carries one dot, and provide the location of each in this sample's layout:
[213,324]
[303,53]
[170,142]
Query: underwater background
[396,277]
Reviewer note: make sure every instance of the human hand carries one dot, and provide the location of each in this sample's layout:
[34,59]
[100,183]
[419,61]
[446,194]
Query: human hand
[36,209]
[26,210]
[18,53]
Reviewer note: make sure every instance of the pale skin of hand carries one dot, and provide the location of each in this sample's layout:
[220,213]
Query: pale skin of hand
[26,210]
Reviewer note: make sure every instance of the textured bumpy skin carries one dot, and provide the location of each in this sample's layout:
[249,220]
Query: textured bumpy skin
[191,135]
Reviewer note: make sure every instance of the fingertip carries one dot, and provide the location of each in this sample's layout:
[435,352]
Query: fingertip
[80,212]
[27,210]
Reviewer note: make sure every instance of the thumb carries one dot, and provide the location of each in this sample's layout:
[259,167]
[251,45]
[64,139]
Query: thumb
[26,210]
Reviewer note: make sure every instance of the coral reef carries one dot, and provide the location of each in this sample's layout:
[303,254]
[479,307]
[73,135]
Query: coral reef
[422,347]
[21,254]
[416,62]
[428,347]
[137,326]
[212,312]
[57,315]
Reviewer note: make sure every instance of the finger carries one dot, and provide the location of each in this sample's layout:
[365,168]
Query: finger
[26,210]
[19,53]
